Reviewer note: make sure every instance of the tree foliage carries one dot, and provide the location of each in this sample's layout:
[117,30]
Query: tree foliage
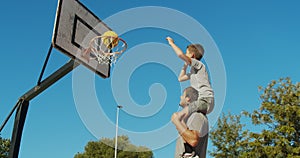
[229,137]
[279,115]
[4,147]
[104,148]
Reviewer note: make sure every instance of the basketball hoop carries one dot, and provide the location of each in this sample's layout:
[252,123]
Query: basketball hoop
[105,49]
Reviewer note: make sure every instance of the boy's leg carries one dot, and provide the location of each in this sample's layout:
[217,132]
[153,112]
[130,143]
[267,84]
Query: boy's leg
[211,103]
[201,105]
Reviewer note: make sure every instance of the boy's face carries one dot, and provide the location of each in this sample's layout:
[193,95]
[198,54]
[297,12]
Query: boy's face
[184,100]
[188,53]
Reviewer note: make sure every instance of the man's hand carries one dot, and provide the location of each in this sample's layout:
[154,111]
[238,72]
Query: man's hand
[175,118]
[178,122]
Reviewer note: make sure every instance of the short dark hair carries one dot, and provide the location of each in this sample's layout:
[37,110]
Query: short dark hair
[197,50]
[192,93]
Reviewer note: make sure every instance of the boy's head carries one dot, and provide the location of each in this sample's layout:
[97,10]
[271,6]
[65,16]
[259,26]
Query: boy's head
[189,95]
[196,50]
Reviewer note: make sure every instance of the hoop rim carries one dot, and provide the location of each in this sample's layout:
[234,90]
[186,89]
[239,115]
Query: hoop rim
[108,55]
[119,39]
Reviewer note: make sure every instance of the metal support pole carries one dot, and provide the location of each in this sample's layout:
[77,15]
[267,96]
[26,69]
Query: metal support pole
[18,128]
[9,115]
[117,122]
[61,72]
[45,64]
[24,103]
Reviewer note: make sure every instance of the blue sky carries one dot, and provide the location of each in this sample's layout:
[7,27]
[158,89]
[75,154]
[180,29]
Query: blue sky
[257,40]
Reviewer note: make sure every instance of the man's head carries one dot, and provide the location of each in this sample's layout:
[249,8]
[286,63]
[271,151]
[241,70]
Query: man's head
[189,95]
[195,51]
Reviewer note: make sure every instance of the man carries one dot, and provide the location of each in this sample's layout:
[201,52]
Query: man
[193,131]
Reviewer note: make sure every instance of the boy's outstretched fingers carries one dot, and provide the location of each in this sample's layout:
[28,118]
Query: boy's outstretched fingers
[170,40]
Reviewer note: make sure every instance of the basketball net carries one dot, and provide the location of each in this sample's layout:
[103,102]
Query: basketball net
[105,49]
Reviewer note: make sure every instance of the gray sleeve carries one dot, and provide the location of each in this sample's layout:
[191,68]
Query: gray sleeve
[198,106]
[195,122]
[198,122]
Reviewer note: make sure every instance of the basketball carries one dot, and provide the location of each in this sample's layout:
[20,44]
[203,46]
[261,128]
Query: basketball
[110,39]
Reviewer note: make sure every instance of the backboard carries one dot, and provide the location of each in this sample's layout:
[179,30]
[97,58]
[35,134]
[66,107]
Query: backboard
[75,26]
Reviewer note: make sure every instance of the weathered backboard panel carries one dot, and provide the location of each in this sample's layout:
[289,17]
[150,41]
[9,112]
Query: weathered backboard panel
[75,26]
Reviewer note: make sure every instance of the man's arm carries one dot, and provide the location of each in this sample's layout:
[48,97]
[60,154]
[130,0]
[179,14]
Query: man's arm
[183,114]
[178,51]
[190,136]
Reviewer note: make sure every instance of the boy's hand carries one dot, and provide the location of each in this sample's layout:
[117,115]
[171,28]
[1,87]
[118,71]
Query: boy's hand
[170,40]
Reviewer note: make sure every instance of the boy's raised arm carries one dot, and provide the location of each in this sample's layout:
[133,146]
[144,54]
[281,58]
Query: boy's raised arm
[178,51]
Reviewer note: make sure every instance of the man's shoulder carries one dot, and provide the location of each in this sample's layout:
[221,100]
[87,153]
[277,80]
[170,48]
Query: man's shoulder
[197,115]
[198,122]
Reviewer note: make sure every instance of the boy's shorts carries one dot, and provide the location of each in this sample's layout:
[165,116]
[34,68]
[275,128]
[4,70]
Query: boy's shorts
[204,105]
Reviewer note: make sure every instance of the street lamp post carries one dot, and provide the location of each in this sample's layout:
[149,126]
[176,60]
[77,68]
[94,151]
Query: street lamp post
[116,138]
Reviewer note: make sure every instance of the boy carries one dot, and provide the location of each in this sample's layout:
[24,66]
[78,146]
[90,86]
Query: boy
[198,77]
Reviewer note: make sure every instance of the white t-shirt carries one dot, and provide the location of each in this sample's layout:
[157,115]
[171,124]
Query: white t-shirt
[197,122]
[199,79]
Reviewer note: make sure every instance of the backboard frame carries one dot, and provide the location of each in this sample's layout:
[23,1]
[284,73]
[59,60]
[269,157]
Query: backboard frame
[75,25]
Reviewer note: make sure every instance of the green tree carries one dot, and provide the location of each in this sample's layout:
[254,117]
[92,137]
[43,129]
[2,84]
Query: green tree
[4,147]
[278,117]
[228,138]
[105,148]
[280,113]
